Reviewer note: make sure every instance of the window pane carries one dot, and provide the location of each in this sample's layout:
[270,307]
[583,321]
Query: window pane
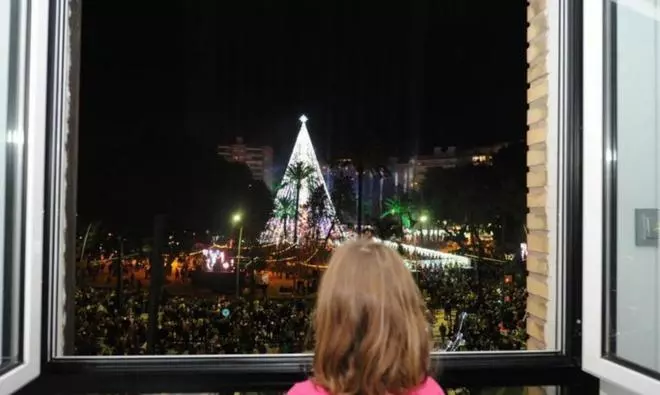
[634,194]
[208,207]
[11,156]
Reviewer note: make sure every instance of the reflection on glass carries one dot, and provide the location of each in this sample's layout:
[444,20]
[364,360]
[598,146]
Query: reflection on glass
[11,147]
[193,241]
[634,254]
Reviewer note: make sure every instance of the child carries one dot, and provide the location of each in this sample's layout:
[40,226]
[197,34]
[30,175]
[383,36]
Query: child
[371,332]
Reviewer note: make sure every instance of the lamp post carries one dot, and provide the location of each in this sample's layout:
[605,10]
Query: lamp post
[120,271]
[236,219]
[423,219]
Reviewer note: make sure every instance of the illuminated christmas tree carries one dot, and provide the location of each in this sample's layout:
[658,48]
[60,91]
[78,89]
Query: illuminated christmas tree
[312,218]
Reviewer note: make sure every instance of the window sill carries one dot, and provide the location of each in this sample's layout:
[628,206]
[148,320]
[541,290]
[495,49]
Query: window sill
[199,374]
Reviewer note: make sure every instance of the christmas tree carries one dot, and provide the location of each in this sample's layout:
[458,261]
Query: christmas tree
[303,209]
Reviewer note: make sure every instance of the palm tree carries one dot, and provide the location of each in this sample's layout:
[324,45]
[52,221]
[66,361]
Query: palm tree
[284,209]
[365,165]
[90,238]
[298,173]
[318,209]
[343,197]
[393,208]
[379,172]
[401,209]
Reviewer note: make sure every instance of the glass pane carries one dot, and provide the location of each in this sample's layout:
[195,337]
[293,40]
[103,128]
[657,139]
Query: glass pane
[633,164]
[11,156]
[208,206]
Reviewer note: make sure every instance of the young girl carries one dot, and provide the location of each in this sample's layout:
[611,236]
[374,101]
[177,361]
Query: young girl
[371,332]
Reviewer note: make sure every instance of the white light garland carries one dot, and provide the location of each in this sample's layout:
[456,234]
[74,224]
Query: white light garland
[303,152]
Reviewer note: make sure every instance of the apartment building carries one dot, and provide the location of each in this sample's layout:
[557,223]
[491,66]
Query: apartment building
[410,174]
[258,159]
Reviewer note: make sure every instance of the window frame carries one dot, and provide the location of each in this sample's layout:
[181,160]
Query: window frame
[596,173]
[33,82]
[208,373]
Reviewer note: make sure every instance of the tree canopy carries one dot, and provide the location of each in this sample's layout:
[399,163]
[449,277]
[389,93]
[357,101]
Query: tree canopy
[480,195]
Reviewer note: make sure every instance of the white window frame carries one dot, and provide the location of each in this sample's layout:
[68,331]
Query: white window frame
[34,83]
[594,53]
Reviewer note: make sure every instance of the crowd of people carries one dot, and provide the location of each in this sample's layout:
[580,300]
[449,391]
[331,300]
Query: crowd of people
[188,324]
[218,325]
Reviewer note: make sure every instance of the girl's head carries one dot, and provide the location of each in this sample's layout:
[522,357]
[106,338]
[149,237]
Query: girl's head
[372,335]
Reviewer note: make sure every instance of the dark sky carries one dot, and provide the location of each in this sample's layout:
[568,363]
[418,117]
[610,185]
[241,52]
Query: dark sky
[375,77]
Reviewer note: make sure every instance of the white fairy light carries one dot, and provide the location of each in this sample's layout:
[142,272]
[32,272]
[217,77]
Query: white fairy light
[303,152]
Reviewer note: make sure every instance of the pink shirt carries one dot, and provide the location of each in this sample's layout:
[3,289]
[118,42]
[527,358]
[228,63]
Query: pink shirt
[429,387]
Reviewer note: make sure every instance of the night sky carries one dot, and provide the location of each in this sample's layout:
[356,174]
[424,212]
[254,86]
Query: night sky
[406,77]
[375,78]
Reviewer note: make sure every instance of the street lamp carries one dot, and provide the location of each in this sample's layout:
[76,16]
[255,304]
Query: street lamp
[236,220]
[423,219]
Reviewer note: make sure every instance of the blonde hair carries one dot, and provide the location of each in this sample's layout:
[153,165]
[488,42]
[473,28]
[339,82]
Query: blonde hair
[371,332]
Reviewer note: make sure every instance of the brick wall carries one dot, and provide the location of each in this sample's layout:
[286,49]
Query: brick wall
[537,174]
